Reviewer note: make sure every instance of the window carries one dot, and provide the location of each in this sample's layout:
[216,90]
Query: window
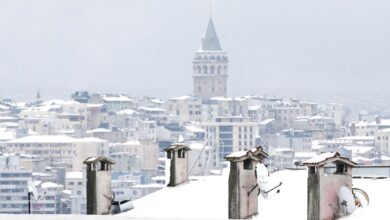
[181,153]
[205,69]
[247,164]
[341,168]
[170,154]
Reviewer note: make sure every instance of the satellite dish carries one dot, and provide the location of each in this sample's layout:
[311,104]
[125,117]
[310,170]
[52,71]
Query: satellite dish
[32,189]
[266,186]
[346,200]
[361,197]
[262,174]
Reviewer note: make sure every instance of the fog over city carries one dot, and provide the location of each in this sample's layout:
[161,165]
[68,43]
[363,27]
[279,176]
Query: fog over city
[194,109]
[309,49]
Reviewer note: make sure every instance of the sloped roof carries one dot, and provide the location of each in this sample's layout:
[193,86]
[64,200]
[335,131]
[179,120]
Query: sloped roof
[177,146]
[255,153]
[210,41]
[91,160]
[328,157]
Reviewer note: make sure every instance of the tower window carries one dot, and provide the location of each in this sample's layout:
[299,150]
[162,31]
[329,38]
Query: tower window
[205,69]
[219,69]
[212,70]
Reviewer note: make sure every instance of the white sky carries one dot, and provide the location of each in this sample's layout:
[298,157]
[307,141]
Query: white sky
[145,47]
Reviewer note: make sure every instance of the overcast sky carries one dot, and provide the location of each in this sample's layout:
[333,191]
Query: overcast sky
[145,47]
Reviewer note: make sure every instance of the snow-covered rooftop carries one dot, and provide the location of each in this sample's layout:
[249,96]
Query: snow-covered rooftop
[151,109]
[59,102]
[207,198]
[116,98]
[44,139]
[267,121]
[74,175]
[327,157]
[184,97]
[98,130]
[50,185]
[126,112]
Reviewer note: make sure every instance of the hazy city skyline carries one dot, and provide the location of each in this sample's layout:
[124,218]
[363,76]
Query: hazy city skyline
[146,47]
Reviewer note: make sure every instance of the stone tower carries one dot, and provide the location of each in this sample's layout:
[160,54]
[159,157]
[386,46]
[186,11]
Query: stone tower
[210,67]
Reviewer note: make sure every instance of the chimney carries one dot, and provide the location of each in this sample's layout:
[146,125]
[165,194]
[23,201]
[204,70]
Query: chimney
[329,186]
[177,152]
[378,119]
[99,194]
[243,187]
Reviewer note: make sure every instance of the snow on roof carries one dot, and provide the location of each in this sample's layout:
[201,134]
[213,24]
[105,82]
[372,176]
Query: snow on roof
[90,139]
[177,146]
[151,109]
[357,138]
[67,191]
[59,102]
[126,112]
[194,129]
[98,130]
[267,121]
[93,105]
[8,118]
[328,157]
[221,99]
[44,108]
[74,175]
[9,124]
[4,107]
[184,97]
[157,101]
[6,135]
[44,139]
[207,198]
[255,153]
[50,185]
[132,142]
[116,98]
[91,160]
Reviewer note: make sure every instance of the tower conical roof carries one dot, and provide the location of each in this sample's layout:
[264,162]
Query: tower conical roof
[210,41]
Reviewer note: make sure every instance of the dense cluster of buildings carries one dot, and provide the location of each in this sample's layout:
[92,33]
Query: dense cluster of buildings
[43,143]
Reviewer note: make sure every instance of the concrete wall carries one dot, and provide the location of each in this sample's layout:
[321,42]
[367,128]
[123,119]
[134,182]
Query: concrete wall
[241,182]
[313,197]
[98,192]
[323,202]
[179,169]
